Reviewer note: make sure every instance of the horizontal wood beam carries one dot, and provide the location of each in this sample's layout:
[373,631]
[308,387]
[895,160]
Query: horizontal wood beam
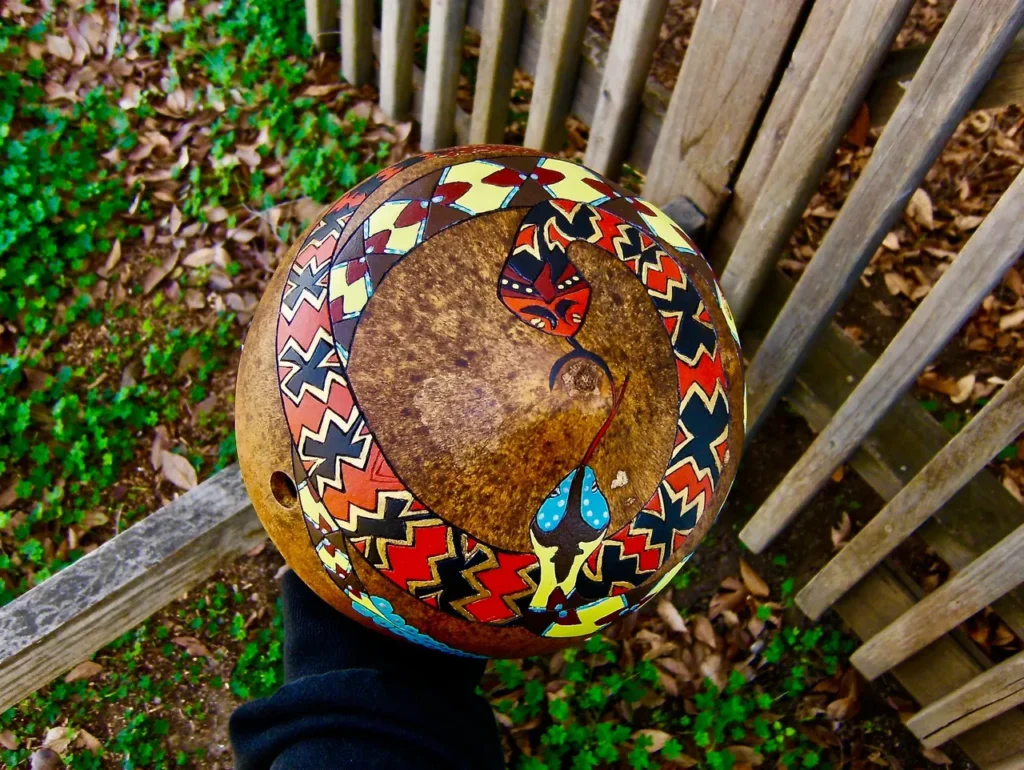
[987,695]
[71,615]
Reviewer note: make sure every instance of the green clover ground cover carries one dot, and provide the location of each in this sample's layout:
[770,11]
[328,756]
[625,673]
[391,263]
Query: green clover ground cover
[67,432]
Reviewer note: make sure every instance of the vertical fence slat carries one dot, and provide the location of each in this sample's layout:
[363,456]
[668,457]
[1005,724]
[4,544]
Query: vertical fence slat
[499,50]
[561,43]
[986,696]
[863,37]
[357,41]
[987,255]
[969,46]
[985,579]
[821,25]
[441,83]
[966,454]
[734,52]
[322,21]
[397,37]
[625,75]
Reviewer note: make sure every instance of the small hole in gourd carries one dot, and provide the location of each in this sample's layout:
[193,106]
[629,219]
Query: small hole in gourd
[283,489]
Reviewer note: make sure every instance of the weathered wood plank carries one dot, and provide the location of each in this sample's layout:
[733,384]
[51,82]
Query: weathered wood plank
[322,23]
[397,38]
[444,57]
[810,48]
[68,617]
[625,73]
[862,36]
[987,695]
[969,46]
[357,41]
[728,68]
[938,669]
[998,423]
[499,49]
[555,79]
[1005,87]
[1015,762]
[990,252]
[986,578]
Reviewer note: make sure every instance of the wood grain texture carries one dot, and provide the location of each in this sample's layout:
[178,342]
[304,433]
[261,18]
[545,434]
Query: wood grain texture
[322,23]
[939,669]
[625,73]
[499,50]
[555,79]
[357,41]
[969,46]
[1005,87]
[729,65]
[986,434]
[901,445]
[862,36]
[987,695]
[444,57]
[1014,762]
[65,619]
[986,578]
[397,36]
[801,68]
[993,249]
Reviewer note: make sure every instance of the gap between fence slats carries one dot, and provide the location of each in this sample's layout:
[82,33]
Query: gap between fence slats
[69,616]
[987,695]
[444,58]
[734,52]
[397,40]
[625,73]
[986,578]
[499,50]
[803,64]
[1005,87]
[322,23]
[555,81]
[967,49]
[357,41]
[863,35]
[998,423]
[990,252]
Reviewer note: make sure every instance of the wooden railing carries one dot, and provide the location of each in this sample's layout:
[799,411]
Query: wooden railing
[765,94]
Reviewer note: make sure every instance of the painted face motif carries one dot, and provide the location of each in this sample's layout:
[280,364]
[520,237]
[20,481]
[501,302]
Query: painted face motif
[556,306]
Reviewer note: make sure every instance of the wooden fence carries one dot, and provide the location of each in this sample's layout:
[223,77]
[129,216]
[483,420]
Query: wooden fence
[737,149]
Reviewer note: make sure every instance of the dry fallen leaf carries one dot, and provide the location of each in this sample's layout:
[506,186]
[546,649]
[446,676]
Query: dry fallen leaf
[157,273]
[60,47]
[1011,320]
[891,242]
[967,222]
[57,739]
[86,740]
[897,284]
[658,739]
[936,756]
[841,532]
[965,386]
[754,582]
[9,740]
[192,646]
[87,669]
[920,209]
[745,755]
[668,612]
[703,631]
[178,470]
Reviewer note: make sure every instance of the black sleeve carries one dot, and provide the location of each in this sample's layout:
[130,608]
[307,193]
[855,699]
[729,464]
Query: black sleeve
[354,698]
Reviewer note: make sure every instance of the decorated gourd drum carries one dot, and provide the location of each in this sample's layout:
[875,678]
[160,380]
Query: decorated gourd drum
[490,402]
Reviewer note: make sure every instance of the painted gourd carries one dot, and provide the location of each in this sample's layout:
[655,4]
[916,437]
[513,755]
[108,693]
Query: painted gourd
[490,402]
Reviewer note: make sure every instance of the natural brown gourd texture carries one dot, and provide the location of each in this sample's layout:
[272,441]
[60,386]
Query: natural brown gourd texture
[490,402]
